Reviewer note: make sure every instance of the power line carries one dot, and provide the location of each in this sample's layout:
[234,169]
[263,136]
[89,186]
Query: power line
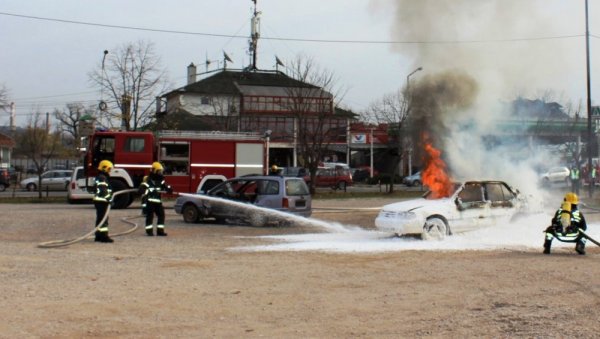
[408,42]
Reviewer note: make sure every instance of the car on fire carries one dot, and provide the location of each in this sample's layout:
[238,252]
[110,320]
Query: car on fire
[285,194]
[469,206]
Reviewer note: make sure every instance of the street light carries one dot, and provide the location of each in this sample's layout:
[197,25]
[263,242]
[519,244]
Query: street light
[267,137]
[408,77]
[371,127]
[408,95]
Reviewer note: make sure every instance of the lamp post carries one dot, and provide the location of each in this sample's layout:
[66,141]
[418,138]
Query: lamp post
[371,139]
[589,102]
[407,111]
[267,136]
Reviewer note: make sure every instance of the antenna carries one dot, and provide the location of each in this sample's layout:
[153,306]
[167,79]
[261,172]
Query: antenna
[254,35]
[226,58]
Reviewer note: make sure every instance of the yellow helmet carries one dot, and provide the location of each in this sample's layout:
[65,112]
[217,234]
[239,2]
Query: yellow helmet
[156,166]
[274,168]
[572,198]
[105,165]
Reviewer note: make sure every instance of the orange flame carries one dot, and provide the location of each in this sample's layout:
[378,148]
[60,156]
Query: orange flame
[434,175]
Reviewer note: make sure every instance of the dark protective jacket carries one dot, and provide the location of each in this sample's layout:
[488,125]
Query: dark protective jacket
[103,190]
[577,222]
[151,188]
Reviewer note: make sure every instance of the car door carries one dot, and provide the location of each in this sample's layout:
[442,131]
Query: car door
[47,180]
[502,202]
[268,193]
[473,209]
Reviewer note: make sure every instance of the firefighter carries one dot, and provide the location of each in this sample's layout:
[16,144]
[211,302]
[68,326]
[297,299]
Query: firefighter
[566,223]
[274,170]
[143,187]
[574,175]
[151,191]
[102,199]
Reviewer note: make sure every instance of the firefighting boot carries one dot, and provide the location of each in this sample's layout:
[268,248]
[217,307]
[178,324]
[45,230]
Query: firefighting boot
[547,245]
[98,236]
[104,237]
[580,247]
[160,231]
[150,231]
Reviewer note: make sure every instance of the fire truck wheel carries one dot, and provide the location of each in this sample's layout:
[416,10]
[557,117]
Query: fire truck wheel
[190,214]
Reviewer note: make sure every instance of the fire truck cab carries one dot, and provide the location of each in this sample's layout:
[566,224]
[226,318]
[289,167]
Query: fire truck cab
[186,157]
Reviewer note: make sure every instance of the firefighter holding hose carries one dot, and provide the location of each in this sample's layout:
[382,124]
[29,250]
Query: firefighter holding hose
[102,199]
[151,193]
[566,223]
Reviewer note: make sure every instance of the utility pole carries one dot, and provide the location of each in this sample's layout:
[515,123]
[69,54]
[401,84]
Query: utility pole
[589,103]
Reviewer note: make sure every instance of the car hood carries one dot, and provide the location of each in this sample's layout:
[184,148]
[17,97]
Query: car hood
[416,204]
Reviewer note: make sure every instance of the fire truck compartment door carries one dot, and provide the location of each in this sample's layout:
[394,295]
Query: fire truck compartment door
[248,159]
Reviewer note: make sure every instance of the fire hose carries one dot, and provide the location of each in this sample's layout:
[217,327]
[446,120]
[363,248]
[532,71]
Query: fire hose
[59,243]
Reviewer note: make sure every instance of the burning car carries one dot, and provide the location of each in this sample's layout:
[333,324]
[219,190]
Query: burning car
[466,206]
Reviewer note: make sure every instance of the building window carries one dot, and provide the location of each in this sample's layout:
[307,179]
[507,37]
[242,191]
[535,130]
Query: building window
[205,101]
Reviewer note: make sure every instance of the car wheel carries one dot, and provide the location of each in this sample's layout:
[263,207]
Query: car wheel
[257,219]
[31,187]
[342,185]
[416,183]
[435,228]
[2,187]
[190,214]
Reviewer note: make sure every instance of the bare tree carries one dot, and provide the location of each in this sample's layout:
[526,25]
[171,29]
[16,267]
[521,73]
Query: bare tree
[4,103]
[392,109]
[69,120]
[312,99]
[131,78]
[39,145]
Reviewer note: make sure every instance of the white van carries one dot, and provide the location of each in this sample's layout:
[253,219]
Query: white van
[76,190]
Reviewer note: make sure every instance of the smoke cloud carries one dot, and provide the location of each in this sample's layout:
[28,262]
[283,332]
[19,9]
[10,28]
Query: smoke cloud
[474,58]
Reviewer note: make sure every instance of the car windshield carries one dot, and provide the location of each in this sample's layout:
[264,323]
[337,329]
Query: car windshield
[430,196]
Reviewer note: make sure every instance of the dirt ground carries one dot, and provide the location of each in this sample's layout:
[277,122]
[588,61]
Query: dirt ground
[191,284]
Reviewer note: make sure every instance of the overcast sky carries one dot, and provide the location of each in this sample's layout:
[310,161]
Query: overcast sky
[510,46]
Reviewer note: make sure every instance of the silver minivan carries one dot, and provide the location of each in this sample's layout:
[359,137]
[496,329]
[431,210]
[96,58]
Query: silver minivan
[285,194]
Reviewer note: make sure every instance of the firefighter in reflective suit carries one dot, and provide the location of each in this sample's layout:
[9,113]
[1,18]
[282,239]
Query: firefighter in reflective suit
[566,224]
[102,199]
[151,193]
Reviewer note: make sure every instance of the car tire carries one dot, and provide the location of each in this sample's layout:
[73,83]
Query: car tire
[31,187]
[190,213]
[435,228]
[2,187]
[257,219]
[342,185]
[416,183]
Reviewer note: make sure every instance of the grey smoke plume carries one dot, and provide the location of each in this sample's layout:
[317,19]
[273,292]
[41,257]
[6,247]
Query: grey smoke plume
[473,59]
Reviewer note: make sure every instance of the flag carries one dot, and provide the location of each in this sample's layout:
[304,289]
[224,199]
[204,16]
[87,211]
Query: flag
[227,58]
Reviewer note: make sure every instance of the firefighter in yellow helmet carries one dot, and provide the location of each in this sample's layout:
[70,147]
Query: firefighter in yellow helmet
[566,223]
[274,170]
[102,199]
[150,191]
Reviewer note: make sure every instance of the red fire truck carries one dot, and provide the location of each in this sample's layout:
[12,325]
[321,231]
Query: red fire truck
[187,157]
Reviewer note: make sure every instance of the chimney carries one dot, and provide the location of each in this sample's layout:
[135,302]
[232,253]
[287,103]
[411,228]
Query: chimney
[191,74]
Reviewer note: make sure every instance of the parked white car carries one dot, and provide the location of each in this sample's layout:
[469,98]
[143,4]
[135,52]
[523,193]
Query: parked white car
[51,180]
[556,174]
[472,205]
[77,190]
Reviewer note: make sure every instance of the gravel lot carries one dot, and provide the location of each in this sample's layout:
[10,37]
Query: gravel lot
[191,284]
